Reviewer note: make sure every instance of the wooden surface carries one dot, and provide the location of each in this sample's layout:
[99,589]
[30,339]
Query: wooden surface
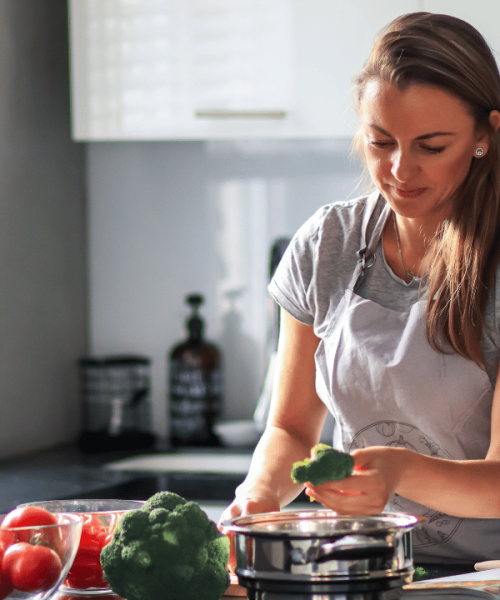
[234,589]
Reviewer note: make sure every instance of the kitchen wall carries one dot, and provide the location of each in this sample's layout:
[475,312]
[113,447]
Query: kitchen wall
[157,221]
[42,227]
[169,218]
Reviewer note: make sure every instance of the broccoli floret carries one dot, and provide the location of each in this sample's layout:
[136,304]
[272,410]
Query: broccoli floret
[167,500]
[167,550]
[325,464]
[420,573]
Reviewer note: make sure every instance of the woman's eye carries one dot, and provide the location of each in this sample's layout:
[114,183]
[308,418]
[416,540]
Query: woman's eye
[380,144]
[433,149]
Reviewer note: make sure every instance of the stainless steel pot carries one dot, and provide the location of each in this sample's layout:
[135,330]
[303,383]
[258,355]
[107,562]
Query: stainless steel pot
[313,551]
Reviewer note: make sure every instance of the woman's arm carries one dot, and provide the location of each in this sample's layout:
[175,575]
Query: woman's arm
[294,425]
[463,488]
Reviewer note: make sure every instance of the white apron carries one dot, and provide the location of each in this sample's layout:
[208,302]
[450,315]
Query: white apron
[385,385]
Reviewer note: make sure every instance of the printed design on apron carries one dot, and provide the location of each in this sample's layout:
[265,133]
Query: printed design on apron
[385,385]
[445,526]
[399,435]
[405,435]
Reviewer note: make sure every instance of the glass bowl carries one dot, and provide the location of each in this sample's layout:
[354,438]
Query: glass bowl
[39,572]
[99,519]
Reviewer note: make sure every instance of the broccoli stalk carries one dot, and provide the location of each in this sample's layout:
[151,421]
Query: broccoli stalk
[169,549]
[325,464]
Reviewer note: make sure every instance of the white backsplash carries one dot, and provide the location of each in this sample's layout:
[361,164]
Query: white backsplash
[168,219]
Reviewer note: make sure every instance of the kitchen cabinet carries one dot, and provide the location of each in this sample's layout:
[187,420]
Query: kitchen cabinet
[211,69]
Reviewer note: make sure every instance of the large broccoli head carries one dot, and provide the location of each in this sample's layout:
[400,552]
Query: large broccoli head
[169,549]
[325,464]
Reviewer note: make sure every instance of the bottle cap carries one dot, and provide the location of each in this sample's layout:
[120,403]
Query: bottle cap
[195,322]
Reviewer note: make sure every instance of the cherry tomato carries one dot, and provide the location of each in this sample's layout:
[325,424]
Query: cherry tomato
[95,535]
[86,570]
[83,577]
[31,568]
[31,516]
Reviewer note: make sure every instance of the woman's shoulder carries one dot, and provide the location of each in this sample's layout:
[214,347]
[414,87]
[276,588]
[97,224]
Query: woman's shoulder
[351,209]
[316,266]
[336,220]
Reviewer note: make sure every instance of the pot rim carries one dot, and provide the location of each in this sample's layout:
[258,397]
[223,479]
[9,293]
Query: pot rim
[251,524]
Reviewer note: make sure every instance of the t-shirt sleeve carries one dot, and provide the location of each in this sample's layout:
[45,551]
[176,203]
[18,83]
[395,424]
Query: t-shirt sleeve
[291,284]
[317,266]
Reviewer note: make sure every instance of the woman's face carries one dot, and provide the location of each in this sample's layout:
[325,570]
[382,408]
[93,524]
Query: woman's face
[418,145]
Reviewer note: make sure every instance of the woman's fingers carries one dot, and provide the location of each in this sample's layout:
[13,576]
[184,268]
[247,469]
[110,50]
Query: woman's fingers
[242,507]
[248,506]
[366,491]
[347,502]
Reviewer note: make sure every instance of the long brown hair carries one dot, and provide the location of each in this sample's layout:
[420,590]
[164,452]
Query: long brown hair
[443,51]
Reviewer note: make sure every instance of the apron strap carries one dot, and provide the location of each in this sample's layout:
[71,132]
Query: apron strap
[366,253]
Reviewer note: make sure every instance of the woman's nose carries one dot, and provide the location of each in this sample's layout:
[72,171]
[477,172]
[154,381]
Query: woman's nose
[404,166]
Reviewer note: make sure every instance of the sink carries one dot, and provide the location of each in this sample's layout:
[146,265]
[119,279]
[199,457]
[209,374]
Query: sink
[208,477]
[208,462]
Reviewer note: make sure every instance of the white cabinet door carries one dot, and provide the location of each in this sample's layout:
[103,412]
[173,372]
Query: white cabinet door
[484,15]
[146,69]
[208,69]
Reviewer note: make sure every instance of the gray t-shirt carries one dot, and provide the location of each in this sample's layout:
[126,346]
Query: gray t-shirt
[309,283]
[318,264]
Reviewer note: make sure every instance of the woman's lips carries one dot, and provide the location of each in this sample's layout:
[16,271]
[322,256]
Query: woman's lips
[409,193]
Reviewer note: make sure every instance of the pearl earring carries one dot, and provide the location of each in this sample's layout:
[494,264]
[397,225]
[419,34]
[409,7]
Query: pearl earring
[479,151]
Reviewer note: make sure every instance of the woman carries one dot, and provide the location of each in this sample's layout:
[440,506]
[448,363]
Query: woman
[392,307]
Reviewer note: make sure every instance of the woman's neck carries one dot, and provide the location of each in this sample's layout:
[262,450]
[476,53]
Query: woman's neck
[407,246]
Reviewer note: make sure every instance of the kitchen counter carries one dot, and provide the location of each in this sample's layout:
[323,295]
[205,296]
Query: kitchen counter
[66,472]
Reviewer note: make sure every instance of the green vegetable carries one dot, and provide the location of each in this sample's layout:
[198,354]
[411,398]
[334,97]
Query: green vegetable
[420,574]
[325,464]
[167,550]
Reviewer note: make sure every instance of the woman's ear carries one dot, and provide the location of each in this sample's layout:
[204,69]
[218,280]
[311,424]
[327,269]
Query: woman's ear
[495,119]
[483,138]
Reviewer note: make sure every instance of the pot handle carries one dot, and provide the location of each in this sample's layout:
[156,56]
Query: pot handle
[350,547]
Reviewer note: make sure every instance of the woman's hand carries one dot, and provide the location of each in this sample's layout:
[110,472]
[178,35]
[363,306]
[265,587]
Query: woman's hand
[249,505]
[243,505]
[375,477]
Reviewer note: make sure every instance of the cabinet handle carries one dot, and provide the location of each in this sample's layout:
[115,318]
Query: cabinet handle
[240,114]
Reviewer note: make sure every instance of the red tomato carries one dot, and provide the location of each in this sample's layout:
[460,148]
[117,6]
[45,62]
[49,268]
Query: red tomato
[86,570]
[32,516]
[31,568]
[6,586]
[26,516]
[94,534]
[6,538]
[83,577]
[4,543]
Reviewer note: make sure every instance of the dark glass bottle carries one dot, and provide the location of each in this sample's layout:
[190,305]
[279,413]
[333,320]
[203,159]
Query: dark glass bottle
[195,385]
